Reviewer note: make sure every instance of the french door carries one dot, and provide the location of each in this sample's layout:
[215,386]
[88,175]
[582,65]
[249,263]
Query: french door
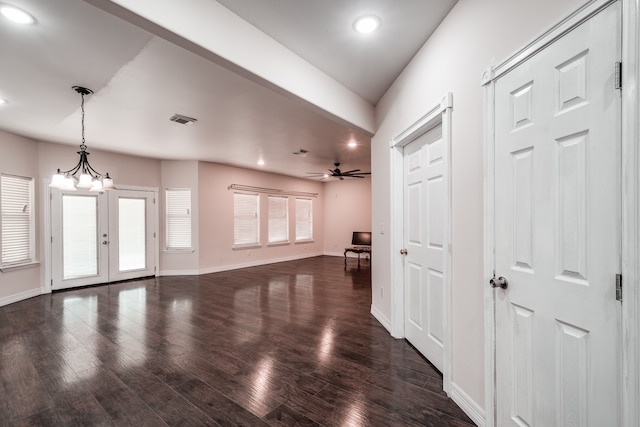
[101,237]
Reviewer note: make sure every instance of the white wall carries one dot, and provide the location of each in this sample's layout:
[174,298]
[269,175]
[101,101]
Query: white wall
[180,174]
[20,157]
[475,35]
[25,157]
[347,208]
[216,218]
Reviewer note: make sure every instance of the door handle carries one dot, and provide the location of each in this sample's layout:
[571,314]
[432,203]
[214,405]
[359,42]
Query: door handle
[104,242]
[403,252]
[500,282]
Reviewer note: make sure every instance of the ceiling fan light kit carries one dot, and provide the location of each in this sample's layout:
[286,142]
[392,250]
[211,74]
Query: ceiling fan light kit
[337,173]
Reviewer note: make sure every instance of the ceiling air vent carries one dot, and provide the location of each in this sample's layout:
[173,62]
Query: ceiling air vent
[183,120]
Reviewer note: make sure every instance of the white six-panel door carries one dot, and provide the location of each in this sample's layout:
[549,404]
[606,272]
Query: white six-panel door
[557,237]
[425,195]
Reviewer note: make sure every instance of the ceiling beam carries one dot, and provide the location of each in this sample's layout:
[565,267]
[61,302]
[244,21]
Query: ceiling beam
[210,30]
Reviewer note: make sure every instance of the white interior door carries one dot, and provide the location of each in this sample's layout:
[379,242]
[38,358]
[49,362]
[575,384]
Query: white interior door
[425,195]
[101,237]
[557,222]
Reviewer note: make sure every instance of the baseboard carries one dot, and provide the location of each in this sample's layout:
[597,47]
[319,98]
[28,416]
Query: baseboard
[21,296]
[220,268]
[381,318]
[328,253]
[468,405]
[179,273]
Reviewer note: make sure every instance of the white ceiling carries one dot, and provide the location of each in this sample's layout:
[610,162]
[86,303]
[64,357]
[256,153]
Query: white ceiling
[141,79]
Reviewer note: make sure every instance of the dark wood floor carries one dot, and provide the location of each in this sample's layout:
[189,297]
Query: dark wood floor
[285,344]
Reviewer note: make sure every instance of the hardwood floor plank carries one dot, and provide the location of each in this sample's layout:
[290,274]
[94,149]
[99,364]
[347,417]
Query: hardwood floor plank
[285,416]
[291,343]
[217,406]
[21,389]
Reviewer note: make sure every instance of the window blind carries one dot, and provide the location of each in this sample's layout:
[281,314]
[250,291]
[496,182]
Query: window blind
[246,219]
[278,219]
[16,202]
[304,219]
[178,218]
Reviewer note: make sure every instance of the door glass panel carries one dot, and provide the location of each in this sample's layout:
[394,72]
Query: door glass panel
[132,234]
[80,236]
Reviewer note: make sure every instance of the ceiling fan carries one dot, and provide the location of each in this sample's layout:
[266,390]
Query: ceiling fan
[337,173]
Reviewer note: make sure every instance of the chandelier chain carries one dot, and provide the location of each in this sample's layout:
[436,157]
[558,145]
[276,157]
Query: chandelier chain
[83,146]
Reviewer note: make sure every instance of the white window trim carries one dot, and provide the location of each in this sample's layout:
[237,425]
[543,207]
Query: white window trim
[257,243]
[303,240]
[287,226]
[32,261]
[167,248]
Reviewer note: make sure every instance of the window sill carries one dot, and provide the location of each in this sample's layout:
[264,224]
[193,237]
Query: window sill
[246,246]
[279,243]
[299,242]
[19,266]
[178,251]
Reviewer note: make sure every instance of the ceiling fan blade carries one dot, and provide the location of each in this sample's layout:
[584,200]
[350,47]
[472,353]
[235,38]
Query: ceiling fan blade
[348,172]
[340,177]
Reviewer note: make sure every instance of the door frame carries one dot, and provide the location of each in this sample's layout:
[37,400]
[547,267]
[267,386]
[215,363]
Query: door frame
[47,272]
[439,114]
[630,194]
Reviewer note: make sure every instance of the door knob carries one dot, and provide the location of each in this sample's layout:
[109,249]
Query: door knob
[500,282]
[104,242]
[403,251]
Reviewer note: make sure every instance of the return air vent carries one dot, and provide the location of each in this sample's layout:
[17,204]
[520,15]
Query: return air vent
[183,120]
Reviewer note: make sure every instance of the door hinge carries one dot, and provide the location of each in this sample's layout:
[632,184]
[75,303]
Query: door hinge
[618,287]
[618,75]
[154,234]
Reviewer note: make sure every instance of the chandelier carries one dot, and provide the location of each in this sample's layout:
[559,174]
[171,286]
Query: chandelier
[82,175]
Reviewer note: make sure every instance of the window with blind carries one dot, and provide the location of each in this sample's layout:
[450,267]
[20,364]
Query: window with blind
[16,203]
[278,219]
[246,219]
[304,219]
[178,219]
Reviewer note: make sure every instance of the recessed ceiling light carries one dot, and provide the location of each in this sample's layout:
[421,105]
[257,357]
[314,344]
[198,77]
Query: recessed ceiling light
[3,101]
[366,24]
[16,15]
[261,162]
[352,144]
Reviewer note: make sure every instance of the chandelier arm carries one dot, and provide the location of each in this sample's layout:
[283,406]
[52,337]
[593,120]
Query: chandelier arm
[95,173]
[74,170]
